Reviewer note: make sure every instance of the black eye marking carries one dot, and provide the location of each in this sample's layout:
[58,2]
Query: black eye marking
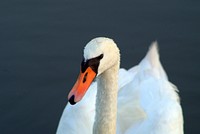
[85,77]
[93,63]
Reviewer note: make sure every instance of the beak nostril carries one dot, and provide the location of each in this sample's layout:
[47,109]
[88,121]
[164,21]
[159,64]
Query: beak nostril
[85,77]
[71,100]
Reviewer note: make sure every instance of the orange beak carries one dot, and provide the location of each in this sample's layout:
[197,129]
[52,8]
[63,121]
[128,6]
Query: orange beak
[82,84]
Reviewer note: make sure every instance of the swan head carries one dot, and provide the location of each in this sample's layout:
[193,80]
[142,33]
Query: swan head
[99,55]
[104,51]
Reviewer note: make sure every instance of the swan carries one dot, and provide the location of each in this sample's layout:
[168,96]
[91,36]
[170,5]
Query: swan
[108,100]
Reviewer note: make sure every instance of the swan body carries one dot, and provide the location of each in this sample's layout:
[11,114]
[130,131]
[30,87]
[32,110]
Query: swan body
[140,100]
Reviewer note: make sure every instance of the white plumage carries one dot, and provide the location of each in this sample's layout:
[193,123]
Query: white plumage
[147,102]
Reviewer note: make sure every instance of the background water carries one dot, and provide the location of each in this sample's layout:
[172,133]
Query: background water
[41,44]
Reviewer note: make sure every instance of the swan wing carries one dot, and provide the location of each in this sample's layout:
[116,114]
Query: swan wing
[149,103]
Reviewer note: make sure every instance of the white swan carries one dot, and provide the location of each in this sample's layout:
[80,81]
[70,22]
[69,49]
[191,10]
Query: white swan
[143,101]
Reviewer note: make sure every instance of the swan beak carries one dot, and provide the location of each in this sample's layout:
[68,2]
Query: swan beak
[82,84]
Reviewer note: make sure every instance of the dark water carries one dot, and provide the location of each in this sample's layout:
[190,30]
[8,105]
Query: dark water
[41,44]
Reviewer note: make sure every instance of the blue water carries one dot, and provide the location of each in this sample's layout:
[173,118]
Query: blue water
[41,44]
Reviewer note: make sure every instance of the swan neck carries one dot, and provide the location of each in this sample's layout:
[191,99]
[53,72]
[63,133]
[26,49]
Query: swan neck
[106,102]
